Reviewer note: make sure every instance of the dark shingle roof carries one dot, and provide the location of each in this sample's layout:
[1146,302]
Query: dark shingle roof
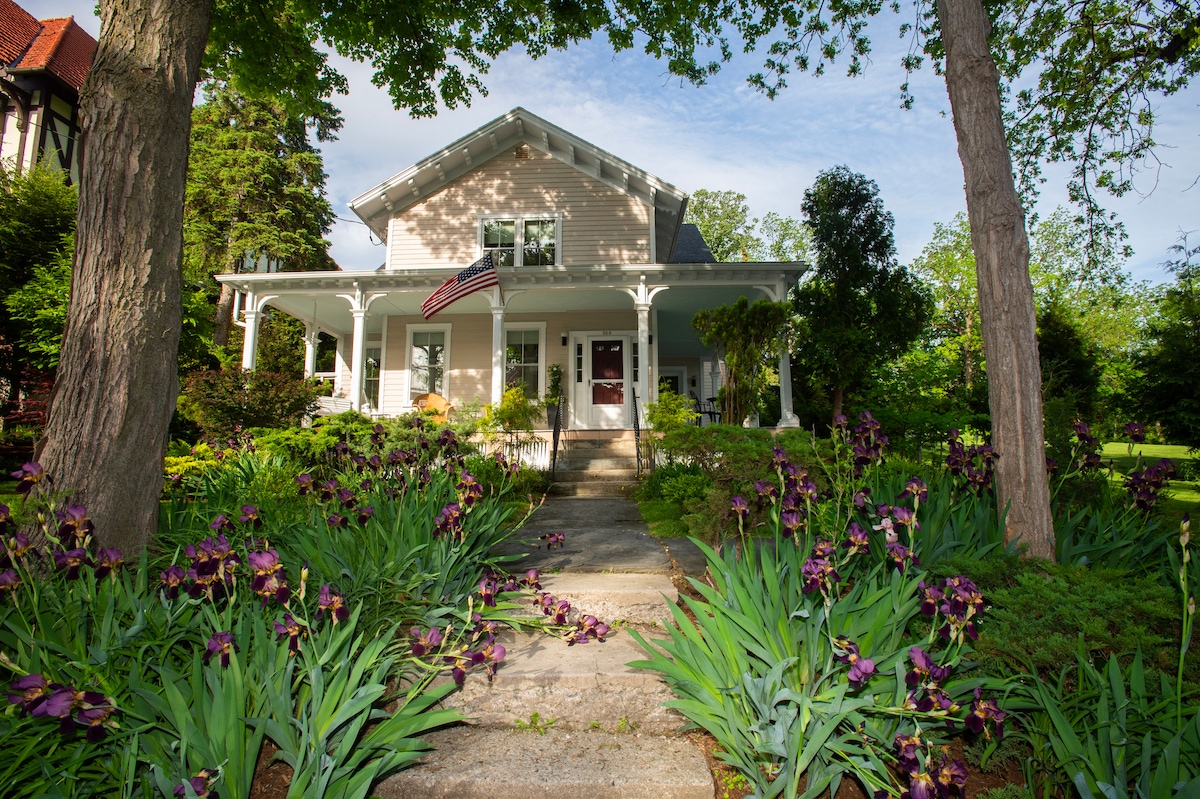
[691,247]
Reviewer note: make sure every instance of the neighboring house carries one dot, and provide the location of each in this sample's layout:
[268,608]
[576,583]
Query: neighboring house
[597,274]
[42,67]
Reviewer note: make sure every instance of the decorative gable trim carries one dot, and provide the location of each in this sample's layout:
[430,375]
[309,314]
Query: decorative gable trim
[520,128]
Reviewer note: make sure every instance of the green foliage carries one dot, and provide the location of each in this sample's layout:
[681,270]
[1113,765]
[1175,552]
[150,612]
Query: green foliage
[255,184]
[683,489]
[652,486]
[40,305]
[860,308]
[748,337]
[1108,732]
[1050,612]
[725,222]
[671,412]
[221,400]
[1172,361]
[535,724]
[1070,365]
[37,214]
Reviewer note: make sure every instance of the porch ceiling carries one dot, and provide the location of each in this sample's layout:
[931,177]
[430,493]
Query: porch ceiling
[325,298]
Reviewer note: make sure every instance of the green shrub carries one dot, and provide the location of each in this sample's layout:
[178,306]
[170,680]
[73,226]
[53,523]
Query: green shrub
[685,488]
[652,486]
[1043,613]
[222,400]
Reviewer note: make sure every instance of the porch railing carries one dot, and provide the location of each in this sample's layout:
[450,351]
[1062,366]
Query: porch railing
[558,418]
[637,430]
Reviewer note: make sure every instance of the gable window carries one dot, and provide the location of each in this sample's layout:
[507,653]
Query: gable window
[522,240]
[428,359]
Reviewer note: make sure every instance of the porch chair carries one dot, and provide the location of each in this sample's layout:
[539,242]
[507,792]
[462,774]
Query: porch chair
[433,402]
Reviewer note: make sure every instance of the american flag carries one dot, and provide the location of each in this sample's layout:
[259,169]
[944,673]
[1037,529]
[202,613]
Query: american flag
[479,275]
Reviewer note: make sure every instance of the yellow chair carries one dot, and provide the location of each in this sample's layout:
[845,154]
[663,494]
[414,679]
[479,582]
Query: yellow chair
[436,403]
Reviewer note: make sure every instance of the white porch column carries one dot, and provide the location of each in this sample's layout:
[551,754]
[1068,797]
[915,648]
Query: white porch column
[356,357]
[310,349]
[644,358]
[788,417]
[250,342]
[497,349]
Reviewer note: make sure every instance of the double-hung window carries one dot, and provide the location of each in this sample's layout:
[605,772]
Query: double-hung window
[523,358]
[428,359]
[522,240]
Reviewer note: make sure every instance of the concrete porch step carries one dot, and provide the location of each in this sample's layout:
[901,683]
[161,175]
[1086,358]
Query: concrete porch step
[476,763]
[591,473]
[579,685]
[594,488]
[578,463]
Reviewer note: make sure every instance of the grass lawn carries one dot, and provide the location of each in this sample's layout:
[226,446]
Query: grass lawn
[1182,496]
[665,518]
[8,493]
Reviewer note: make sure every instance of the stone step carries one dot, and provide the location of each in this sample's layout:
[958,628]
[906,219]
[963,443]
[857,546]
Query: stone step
[477,763]
[618,446]
[578,685]
[641,599]
[594,488]
[584,463]
[592,472]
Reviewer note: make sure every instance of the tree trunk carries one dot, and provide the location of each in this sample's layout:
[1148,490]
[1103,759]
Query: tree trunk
[224,316]
[839,395]
[1002,268]
[107,429]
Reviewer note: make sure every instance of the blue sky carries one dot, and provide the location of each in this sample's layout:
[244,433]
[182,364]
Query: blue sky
[727,136]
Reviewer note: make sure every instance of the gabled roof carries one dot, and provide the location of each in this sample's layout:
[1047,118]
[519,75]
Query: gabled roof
[58,46]
[428,176]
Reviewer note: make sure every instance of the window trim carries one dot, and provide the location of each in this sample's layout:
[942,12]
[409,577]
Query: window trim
[540,327]
[408,339]
[519,234]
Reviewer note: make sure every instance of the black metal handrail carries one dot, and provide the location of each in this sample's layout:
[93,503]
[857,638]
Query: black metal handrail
[558,415]
[637,431]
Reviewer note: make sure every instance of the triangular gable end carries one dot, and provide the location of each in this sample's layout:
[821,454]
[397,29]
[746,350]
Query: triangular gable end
[430,175]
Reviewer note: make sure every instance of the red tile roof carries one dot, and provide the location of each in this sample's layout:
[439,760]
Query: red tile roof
[58,45]
[17,29]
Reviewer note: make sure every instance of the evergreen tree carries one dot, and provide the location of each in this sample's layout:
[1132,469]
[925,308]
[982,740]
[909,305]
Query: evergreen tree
[861,308]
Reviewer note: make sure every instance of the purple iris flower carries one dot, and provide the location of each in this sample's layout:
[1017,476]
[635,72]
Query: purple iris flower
[221,644]
[951,776]
[94,710]
[857,539]
[531,580]
[221,522]
[931,595]
[201,785]
[553,539]
[74,522]
[982,711]
[365,513]
[906,747]
[28,476]
[304,483]
[290,629]
[1136,432]
[901,556]
[861,668]
[487,590]
[72,560]
[920,786]
[250,516]
[172,580]
[427,642]
[107,560]
[739,508]
[33,690]
[791,521]
[330,601]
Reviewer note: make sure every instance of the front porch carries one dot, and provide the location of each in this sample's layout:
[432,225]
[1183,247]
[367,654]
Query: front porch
[615,331]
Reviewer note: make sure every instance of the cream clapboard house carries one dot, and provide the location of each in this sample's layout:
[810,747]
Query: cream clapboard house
[597,274]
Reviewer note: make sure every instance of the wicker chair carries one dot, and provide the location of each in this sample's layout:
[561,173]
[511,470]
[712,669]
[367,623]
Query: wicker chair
[436,403]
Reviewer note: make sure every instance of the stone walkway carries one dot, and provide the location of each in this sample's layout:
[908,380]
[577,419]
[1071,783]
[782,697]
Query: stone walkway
[612,738]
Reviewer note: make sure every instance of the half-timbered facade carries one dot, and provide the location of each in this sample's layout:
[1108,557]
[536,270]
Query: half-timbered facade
[43,64]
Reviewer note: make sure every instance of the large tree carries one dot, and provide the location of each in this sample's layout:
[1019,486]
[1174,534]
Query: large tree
[1170,393]
[725,222]
[255,186]
[860,307]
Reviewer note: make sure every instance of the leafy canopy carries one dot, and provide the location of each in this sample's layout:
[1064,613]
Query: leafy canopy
[861,308]
[748,337]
